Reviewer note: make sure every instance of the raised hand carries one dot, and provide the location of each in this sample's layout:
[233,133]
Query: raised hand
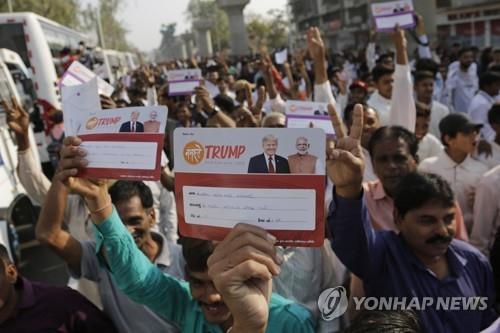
[345,164]
[315,44]
[316,49]
[420,29]
[18,119]
[72,159]
[399,39]
[241,268]
[203,99]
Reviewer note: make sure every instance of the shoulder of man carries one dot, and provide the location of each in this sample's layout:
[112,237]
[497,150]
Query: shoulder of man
[286,313]
[469,252]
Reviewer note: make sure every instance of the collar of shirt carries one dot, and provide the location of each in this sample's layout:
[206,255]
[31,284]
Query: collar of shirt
[164,258]
[377,191]
[377,96]
[486,96]
[28,298]
[456,262]
[269,156]
[446,162]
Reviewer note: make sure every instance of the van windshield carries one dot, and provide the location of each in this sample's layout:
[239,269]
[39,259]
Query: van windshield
[12,38]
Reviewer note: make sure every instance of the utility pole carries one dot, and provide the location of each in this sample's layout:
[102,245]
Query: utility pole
[9,4]
[103,45]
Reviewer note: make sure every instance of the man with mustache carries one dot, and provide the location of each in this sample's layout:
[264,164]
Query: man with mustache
[423,260]
[134,203]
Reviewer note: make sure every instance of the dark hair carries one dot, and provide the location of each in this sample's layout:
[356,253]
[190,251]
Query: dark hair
[464,50]
[427,64]
[383,321]
[494,114]
[423,75]
[4,259]
[196,253]
[488,78]
[224,102]
[4,254]
[383,57]
[124,190]
[416,189]
[380,70]
[394,132]
[57,117]
[349,110]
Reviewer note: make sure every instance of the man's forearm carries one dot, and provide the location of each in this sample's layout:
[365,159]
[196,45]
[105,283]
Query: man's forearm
[23,141]
[320,75]
[351,231]
[52,214]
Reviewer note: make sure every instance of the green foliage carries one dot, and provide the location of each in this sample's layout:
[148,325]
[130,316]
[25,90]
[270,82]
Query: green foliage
[270,30]
[65,12]
[114,30]
[209,9]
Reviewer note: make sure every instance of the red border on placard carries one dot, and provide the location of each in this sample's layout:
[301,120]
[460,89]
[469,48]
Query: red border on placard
[276,181]
[125,174]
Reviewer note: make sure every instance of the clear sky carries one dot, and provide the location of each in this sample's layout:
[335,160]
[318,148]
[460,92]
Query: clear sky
[143,18]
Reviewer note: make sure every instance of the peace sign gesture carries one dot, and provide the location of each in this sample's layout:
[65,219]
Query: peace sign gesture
[345,164]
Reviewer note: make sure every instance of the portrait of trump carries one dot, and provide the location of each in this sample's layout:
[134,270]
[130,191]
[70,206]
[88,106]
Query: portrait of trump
[268,161]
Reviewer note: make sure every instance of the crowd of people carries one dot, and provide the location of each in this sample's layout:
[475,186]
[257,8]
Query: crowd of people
[411,201]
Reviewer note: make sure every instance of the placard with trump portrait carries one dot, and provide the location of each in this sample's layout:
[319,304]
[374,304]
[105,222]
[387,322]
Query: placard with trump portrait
[124,143]
[272,178]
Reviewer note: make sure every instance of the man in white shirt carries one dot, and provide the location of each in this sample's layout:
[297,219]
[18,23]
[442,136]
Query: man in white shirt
[424,82]
[489,87]
[494,121]
[455,164]
[462,82]
[395,106]
[486,211]
[428,144]
[380,100]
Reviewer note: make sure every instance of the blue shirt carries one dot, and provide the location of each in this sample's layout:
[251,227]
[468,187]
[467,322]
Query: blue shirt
[145,283]
[388,267]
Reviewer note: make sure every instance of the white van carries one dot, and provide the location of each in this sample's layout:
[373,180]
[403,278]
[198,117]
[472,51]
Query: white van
[38,41]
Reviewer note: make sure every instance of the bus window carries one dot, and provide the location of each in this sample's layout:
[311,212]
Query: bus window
[12,38]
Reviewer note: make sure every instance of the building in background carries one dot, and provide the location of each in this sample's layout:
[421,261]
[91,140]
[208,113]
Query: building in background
[469,22]
[344,23]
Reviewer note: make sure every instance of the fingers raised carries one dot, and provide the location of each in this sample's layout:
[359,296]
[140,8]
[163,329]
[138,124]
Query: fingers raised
[357,122]
[336,122]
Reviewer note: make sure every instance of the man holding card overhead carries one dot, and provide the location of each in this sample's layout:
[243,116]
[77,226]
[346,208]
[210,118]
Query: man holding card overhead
[268,162]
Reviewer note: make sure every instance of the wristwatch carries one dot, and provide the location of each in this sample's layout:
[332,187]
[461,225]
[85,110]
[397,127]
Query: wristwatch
[214,111]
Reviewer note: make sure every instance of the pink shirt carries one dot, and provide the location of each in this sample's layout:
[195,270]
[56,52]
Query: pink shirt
[381,207]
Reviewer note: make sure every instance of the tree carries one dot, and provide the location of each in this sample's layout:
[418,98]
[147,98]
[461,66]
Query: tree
[65,12]
[270,30]
[114,30]
[210,10]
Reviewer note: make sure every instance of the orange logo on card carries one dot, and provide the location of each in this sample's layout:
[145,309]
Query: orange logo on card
[193,152]
[91,123]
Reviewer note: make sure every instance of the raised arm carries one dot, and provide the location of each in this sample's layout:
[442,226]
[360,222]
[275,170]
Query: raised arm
[133,273]
[49,226]
[424,51]
[29,170]
[353,238]
[403,112]
[316,47]
[218,119]
[370,50]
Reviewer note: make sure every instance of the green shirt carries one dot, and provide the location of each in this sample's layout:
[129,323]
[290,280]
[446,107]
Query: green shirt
[171,298]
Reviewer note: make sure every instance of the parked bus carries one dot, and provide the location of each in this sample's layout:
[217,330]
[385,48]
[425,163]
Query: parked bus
[39,41]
